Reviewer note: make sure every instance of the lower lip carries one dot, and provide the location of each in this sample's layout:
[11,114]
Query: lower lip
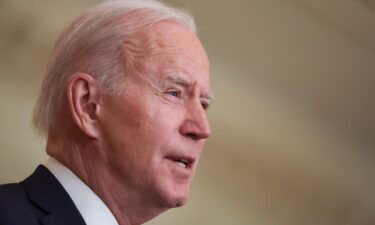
[178,170]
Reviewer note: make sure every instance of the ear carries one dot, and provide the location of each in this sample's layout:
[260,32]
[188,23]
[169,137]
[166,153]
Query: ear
[84,102]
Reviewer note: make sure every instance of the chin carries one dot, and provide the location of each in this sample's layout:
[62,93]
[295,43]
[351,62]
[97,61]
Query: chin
[180,202]
[172,198]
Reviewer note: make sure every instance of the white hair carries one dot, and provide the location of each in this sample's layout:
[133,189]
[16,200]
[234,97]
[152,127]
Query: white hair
[93,44]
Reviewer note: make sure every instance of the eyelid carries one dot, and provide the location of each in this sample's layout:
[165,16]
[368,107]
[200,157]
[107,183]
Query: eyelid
[173,90]
[204,101]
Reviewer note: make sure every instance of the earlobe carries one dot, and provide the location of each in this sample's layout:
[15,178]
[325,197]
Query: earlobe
[84,103]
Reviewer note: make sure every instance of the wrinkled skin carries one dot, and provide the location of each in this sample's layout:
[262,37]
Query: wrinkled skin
[159,118]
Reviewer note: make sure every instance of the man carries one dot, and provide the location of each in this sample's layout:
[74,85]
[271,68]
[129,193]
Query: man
[123,109]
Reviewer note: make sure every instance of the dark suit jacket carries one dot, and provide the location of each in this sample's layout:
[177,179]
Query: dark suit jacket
[38,200]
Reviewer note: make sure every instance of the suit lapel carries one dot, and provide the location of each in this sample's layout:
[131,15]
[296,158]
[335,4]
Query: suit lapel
[47,193]
[64,216]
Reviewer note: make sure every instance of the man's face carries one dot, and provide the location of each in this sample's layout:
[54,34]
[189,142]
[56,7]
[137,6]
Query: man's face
[154,132]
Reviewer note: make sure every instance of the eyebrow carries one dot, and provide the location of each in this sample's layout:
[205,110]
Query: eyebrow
[179,81]
[186,83]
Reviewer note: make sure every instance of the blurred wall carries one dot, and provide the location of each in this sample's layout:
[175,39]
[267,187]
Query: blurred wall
[293,120]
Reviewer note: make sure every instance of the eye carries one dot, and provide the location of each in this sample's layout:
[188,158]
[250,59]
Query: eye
[174,93]
[205,105]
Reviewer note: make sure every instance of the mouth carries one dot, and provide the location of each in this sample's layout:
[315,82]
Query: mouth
[183,162]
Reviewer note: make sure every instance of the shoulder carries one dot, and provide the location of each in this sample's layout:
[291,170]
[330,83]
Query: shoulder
[11,193]
[15,206]
[11,196]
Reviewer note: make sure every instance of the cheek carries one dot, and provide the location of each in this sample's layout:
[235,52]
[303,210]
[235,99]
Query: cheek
[141,126]
[165,122]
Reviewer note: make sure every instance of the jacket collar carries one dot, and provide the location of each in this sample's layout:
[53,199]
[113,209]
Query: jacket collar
[46,192]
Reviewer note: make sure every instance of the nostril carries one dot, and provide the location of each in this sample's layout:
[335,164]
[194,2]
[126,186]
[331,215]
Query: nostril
[193,136]
[195,129]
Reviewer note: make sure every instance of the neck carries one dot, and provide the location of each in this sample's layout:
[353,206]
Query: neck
[91,164]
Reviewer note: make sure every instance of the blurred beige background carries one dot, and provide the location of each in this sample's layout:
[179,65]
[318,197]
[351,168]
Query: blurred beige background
[293,122]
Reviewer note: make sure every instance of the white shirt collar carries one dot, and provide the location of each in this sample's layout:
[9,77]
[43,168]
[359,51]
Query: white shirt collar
[91,207]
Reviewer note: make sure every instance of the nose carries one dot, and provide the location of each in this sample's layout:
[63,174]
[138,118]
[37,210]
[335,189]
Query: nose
[196,125]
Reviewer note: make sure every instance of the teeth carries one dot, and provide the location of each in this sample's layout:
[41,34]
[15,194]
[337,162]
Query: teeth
[181,164]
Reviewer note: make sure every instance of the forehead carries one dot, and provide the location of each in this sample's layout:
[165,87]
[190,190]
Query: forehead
[167,48]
